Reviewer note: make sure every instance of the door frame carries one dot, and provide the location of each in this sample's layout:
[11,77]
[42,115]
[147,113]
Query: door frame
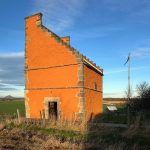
[46,106]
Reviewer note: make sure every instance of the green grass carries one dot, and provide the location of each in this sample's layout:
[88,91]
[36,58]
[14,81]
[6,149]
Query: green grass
[61,134]
[102,136]
[118,117]
[10,107]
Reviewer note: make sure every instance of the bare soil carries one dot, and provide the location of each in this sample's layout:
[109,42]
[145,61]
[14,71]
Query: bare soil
[17,139]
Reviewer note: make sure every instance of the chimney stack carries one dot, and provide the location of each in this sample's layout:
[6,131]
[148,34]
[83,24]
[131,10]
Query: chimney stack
[66,39]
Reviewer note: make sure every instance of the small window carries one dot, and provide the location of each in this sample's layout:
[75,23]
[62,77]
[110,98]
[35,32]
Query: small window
[95,85]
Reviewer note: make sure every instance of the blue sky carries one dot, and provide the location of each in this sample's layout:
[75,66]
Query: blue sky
[103,30]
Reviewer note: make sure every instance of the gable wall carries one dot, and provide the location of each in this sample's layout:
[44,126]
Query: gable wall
[43,49]
[51,71]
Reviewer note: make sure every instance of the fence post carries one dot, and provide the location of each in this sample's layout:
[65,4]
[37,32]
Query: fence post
[43,117]
[18,116]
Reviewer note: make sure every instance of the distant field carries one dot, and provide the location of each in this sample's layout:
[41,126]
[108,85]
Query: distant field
[10,107]
[115,101]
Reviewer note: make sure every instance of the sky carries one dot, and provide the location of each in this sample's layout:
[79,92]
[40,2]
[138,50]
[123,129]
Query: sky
[106,31]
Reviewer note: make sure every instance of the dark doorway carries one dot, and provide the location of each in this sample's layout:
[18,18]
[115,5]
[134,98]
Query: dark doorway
[52,110]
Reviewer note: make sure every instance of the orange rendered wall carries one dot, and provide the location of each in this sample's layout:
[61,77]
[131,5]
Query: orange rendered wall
[49,65]
[52,70]
[42,50]
[68,104]
[93,97]
[57,77]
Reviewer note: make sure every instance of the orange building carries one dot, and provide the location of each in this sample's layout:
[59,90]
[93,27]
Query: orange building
[59,81]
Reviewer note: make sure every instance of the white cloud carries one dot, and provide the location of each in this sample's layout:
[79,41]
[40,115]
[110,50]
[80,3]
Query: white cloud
[125,5]
[96,32]
[114,94]
[59,14]
[14,93]
[11,74]
[134,11]
[120,70]
[12,55]
[141,52]
[119,94]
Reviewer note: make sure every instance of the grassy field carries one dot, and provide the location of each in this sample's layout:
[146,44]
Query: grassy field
[10,107]
[33,136]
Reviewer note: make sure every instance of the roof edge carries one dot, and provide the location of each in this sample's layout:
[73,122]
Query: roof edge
[85,59]
[89,62]
[93,66]
[37,14]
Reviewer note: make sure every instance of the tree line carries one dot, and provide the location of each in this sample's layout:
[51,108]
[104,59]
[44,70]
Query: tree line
[142,101]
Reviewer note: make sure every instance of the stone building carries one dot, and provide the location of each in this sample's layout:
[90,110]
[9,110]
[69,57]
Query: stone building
[60,82]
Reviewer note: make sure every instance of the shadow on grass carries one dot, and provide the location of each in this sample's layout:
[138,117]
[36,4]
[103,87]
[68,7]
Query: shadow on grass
[99,136]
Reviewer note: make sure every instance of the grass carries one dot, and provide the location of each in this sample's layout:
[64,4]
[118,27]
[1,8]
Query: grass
[56,132]
[114,117]
[101,136]
[120,116]
[10,107]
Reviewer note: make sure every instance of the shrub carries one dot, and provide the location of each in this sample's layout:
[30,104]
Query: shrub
[142,101]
